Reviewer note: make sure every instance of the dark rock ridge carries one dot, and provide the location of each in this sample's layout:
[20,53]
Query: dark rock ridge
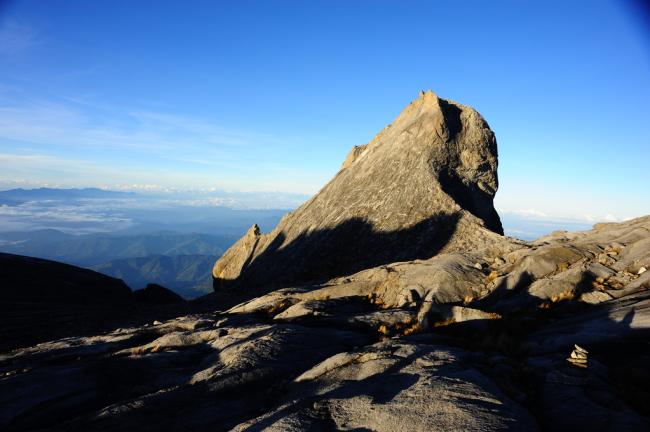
[423,185]
[43,300]
[34,279]
[157,294]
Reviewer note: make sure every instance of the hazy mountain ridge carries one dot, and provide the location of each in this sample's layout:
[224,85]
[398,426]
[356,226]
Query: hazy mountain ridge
[187,275]
[96,227]
[181,262]
[95,249]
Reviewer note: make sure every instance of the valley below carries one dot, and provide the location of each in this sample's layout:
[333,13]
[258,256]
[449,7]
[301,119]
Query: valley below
[172,240]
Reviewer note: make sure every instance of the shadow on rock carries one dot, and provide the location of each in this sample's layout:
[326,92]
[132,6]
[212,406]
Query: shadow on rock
[527,351]
[349,247]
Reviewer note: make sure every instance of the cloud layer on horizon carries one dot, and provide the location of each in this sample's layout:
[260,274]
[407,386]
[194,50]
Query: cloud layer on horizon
[77,142]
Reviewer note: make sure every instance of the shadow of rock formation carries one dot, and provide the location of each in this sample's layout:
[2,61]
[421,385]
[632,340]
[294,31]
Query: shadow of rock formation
[351,246]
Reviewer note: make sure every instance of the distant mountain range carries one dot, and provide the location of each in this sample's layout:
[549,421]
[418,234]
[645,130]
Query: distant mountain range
[179,261]
[188,275]
[172,239]
[93,249]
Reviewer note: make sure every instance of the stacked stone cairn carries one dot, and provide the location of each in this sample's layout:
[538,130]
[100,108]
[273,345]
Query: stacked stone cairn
[578,357]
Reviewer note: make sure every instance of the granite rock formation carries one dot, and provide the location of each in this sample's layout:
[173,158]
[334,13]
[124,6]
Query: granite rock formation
[474,337]
[423,185]
[462,341]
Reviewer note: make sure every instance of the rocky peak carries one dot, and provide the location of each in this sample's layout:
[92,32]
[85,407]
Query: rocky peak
[423,184]
[489,333]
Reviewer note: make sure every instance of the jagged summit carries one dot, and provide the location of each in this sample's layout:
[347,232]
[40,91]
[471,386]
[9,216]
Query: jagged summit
[422,185]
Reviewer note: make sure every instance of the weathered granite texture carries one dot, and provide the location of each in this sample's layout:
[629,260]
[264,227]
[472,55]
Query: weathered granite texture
[480,333]
[462,341]
[423,185]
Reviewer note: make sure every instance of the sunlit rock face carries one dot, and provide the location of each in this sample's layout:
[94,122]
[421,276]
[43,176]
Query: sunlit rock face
[418,315]
[480,340]
[423,185]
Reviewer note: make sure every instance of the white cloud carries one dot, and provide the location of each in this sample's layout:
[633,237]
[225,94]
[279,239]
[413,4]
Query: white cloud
[538,215]
[148,146]
[61,213]
[44,122]
[39,170]
[531,213]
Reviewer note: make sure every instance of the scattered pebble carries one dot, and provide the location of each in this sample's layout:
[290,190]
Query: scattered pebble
[157,322]
[641,271]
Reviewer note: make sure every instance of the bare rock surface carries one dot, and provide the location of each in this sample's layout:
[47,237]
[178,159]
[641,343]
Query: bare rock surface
[473,335]
[424,184]
[450,343]
[392,386]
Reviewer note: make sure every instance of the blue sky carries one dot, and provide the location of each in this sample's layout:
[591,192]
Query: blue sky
[271,95]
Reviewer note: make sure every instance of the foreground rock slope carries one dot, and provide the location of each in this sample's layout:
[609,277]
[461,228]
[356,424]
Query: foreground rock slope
[499,334]
[461,341]
[424,184]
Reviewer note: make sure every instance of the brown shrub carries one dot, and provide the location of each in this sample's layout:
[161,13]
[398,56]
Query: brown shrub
[565,295]
[492,276]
